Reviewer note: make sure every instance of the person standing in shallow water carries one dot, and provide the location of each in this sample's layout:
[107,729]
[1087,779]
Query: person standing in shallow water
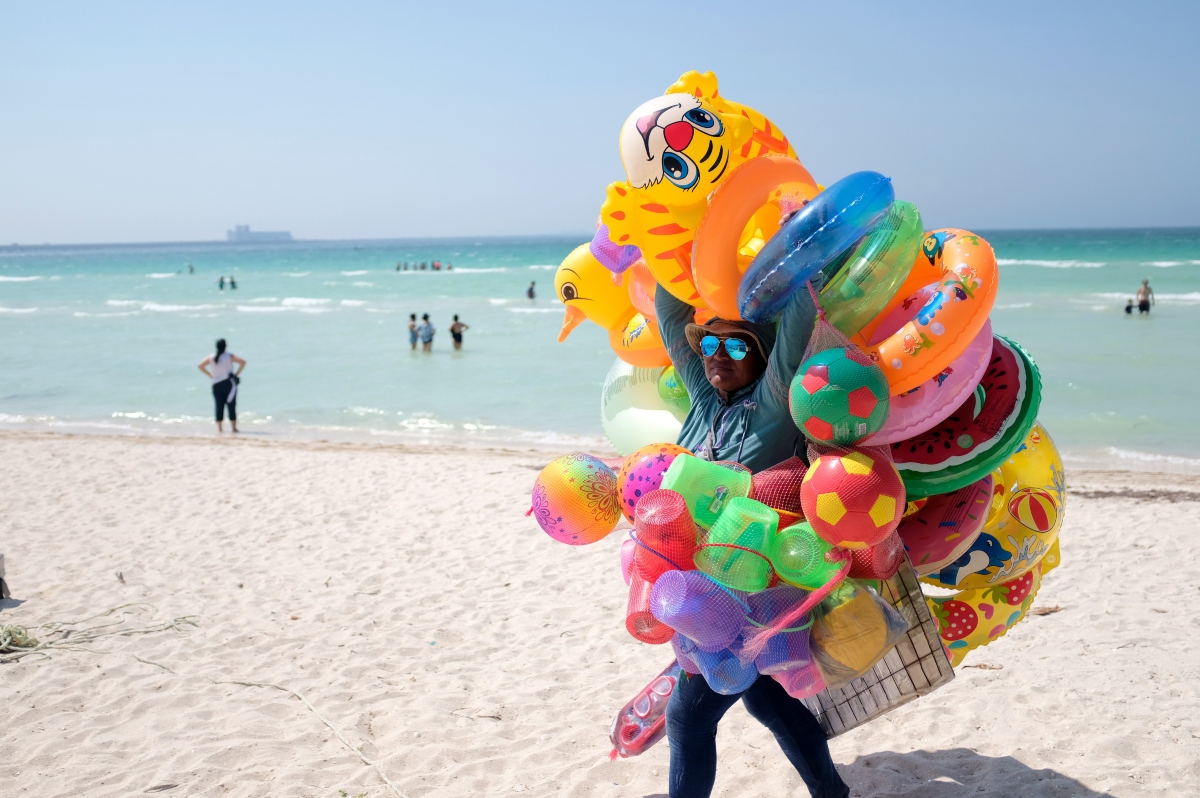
[426,332]
[529,292]
[456,331]
[412,331]
[1145,297]
[219,368]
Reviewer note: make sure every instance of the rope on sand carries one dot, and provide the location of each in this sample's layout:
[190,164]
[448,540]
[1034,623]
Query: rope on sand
[17,642]
[356,751]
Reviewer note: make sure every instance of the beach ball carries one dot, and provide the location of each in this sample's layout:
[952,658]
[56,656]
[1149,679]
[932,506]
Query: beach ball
[839,397]
[643,472]
[1034,509]
[575,499]
[853,500]
[672,390]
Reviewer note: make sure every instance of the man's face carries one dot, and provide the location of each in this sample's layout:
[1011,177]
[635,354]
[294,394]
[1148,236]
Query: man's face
[729,375]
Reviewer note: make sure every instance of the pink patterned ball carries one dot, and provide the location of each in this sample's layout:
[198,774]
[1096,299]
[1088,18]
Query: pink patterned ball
[643,472]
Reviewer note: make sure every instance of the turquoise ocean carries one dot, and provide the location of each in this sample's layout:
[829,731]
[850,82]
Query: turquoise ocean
[106,339]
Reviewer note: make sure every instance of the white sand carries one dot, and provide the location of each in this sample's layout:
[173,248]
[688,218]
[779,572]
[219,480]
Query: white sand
[404,594]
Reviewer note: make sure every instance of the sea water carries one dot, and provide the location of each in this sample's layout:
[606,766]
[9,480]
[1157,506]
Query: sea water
[107,338]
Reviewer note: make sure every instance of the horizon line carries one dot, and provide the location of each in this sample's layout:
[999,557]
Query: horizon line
[514,236]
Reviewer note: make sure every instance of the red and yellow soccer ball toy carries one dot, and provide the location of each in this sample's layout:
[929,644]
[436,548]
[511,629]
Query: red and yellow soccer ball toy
[853,500]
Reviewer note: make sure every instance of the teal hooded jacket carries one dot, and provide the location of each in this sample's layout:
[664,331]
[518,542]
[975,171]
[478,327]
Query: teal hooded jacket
[753,426]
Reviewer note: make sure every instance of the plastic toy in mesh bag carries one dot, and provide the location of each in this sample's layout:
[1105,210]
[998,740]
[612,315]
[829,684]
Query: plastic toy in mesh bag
[643,721]
[852,631]
[801,558]
[778,487]
[639,621]
[853,497]
[664,535]
[734,550]
[724,672]
[801,682]
[790,648]
[684,649]
[694,605]
[838,396]
[707,487]
[880,561]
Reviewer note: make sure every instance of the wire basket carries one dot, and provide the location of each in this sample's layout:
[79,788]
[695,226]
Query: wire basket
[916,666]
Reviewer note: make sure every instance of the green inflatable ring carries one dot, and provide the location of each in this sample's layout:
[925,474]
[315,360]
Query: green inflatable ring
[862,282]
[977,437]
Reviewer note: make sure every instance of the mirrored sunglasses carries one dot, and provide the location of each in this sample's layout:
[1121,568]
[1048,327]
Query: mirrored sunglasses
[736,347]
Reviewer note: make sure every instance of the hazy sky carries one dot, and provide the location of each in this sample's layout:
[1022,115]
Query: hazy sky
[160,122]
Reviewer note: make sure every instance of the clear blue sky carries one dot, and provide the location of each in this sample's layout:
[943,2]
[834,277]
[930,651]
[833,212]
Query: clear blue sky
[173,121]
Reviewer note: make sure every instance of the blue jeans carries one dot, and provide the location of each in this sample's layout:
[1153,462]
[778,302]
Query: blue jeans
[692,718]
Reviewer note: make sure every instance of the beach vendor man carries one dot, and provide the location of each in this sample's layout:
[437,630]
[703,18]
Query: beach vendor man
[738,374]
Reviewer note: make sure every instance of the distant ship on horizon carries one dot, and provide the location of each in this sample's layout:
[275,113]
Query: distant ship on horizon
[242,234]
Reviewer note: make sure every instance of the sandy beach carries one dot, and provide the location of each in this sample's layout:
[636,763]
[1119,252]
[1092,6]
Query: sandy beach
[404,595]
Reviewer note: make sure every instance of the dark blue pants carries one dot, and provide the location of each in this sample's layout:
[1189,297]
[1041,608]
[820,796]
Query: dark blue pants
[221,397]
[692,718]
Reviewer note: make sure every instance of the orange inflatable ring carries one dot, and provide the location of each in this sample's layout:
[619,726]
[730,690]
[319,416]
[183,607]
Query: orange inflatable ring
[716,266]
[953,313]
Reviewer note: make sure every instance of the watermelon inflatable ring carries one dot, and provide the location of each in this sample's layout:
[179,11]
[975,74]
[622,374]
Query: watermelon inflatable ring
[981,434]
[928,405]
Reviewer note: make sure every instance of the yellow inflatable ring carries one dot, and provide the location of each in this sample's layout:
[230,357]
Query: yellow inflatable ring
[1028,503]
[973,618]
[952,314]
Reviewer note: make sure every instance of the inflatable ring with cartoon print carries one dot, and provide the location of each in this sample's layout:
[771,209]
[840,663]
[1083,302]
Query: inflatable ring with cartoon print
[950,317]
[1028,504]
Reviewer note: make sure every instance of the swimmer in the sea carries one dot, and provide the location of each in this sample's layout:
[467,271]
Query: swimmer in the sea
[1145,297]
[456,331]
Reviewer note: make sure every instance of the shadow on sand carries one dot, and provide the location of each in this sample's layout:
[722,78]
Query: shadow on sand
[954,773]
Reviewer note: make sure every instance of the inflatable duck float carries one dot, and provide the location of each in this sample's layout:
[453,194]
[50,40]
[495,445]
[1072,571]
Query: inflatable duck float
[592,292]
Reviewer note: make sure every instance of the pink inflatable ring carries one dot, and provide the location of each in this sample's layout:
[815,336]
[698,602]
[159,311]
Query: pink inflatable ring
[942,531]
[931,402]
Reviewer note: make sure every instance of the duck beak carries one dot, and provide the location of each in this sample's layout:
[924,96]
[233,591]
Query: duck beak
[571,319]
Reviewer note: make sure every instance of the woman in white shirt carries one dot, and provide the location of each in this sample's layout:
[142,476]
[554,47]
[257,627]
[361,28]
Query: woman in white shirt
[224,382]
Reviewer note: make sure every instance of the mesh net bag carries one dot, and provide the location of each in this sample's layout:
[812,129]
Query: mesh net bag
[724,672]
[800,557]
[789,649]
[734,552]
[685,651]
[852,631]
[699,608]
[707,487]
[879,561]
[639,621]
[801,682]
[665,535]
[778,487]
[627,548]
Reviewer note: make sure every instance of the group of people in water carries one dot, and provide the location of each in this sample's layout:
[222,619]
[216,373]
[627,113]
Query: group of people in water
[1145,298]
[436,266]
[221,283]
[423,331]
